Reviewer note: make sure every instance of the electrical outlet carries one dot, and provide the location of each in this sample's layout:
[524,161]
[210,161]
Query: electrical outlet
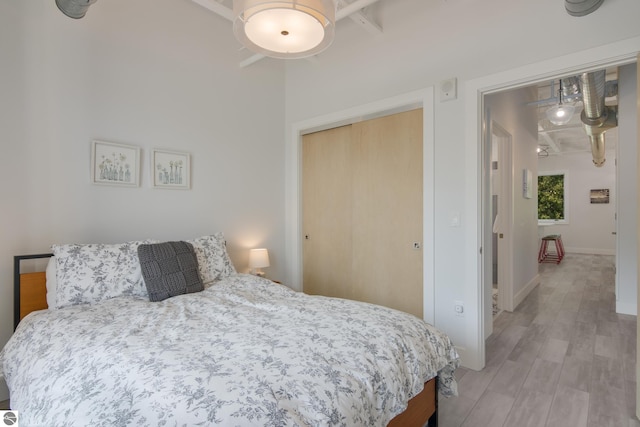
[458,307]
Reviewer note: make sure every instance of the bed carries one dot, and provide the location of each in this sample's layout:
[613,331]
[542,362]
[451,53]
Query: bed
[243,351]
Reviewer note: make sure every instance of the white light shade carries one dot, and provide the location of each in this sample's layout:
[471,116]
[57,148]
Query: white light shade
[258,258]
[285,29]
[560,114]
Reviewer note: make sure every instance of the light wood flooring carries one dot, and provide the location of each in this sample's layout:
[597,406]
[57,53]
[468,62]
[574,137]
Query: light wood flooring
[562,358]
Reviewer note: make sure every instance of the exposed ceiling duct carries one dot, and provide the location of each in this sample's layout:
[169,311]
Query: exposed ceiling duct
[581,7]
[74,8]
[596,116]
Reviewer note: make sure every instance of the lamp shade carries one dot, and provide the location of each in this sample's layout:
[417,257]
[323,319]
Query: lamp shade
[285,29]
[258,258]
[560,114]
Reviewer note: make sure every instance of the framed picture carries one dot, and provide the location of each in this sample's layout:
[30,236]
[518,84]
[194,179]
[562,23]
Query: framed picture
[115,164]
[600,196]
[171,169]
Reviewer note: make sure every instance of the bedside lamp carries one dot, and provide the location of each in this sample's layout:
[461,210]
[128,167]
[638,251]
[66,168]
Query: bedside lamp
[258,258]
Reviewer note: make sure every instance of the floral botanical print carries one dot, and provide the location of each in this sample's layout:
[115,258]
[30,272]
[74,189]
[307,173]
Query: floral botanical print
[243,352]
[213,258]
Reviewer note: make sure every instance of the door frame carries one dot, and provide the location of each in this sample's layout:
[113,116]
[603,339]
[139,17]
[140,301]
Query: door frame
[424,99]
[618,53]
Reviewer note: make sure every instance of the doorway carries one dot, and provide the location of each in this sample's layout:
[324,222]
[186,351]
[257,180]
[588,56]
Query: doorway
[614,54]
[587,225]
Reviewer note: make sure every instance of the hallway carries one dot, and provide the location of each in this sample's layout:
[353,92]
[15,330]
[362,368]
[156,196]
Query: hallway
[562,358]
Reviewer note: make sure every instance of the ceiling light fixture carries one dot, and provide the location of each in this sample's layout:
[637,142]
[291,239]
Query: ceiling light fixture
[560,114]
[285,29]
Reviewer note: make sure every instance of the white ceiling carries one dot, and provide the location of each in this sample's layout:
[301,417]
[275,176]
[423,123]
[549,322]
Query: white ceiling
[553,139]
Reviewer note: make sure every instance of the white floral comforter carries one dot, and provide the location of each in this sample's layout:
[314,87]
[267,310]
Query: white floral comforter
[244,352]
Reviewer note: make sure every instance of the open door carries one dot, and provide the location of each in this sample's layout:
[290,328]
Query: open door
[498,222]
[503,220]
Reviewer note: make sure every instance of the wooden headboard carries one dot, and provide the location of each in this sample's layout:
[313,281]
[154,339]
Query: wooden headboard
[29,289]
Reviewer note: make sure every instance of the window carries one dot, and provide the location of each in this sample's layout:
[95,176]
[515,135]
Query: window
[552,207]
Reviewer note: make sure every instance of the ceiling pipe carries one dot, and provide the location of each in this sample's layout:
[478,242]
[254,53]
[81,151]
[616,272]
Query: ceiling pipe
[75,9]
[597,117]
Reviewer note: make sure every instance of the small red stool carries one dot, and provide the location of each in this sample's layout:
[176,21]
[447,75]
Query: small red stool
[545,256]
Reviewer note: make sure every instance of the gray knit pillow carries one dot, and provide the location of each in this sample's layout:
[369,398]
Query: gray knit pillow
[169,269]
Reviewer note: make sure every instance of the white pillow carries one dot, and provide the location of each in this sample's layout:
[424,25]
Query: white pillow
[52,283]
[213,260]
[90,273]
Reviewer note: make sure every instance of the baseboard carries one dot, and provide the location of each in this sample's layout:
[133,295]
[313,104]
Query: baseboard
[524,292]
[4,391]
[589,251]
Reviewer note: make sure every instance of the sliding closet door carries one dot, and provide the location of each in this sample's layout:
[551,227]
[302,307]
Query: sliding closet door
[326,212]
[362,212]
[387,211]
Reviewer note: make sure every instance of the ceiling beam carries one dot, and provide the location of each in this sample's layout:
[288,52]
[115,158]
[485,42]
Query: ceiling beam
[550,142]
[366,22]
[353,8]
[250,60]
[217,8]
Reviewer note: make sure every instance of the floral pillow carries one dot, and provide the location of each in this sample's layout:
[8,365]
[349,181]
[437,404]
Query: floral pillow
[90,273]
[213,259]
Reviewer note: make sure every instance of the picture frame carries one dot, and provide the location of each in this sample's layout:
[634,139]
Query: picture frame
[115,164]
[170,169]
[599,196]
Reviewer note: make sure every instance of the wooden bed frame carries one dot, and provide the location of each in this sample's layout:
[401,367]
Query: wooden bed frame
[30,294]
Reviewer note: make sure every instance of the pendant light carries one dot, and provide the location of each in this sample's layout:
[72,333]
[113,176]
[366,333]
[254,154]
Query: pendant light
[285,29]
[560,114]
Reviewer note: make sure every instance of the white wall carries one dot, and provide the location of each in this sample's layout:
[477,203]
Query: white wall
[626,260]
[13,129]
[589,226]
[151,73]
[424,43]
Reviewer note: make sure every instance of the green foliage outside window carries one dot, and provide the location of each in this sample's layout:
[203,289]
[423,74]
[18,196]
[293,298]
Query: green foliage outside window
[551,197]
